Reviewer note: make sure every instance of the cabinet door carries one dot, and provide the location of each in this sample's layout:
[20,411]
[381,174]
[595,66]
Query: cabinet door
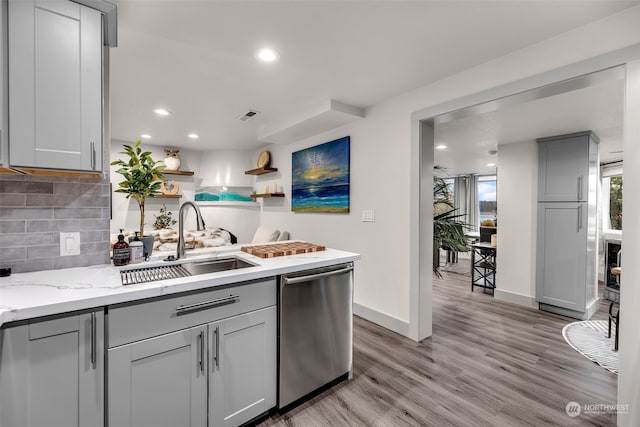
[160,381]
[52,373]
[55,95]
[242,367]
[561,278]
[3,86]
[563,169]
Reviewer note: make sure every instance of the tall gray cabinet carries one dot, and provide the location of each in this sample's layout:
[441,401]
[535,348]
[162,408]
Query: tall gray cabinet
[4,117]
[566,257]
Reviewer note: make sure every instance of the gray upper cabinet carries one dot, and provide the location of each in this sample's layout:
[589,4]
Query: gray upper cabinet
[52,372]
[55,85]
[243,367]
[564,167]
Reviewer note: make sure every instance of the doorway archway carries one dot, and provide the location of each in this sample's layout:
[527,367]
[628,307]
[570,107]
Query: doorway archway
[566,78]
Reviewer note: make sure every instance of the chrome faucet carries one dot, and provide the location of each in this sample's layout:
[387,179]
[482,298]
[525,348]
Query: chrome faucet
[200,226]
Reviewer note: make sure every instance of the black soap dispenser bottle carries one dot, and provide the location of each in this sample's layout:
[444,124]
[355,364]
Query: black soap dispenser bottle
[121,251]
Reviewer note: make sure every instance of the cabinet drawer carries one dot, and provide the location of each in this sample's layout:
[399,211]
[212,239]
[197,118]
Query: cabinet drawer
[136,321]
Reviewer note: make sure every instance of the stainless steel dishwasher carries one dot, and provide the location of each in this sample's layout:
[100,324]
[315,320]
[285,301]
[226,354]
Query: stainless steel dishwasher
[316,330]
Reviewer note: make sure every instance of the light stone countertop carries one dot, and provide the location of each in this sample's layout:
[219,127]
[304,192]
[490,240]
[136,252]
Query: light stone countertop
[42,293]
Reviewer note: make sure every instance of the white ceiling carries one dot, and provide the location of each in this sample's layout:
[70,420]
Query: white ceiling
[196,58]
[598,108]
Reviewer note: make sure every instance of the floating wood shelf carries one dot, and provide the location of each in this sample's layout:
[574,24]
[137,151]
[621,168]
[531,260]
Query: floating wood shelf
[266,195]
[167,196]
[54,172]
[10,171]
[261,171]
[183,173]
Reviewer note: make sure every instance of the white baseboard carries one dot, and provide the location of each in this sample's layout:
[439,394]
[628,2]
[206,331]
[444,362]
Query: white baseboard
[592,308]
[514,298]
[386,321]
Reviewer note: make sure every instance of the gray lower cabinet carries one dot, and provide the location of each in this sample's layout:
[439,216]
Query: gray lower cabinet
[160,381]
[562,258]
[197,359]
[243,367]
[52,372]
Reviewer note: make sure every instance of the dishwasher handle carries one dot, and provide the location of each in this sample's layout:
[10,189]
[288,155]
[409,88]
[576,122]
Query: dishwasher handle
[299,279]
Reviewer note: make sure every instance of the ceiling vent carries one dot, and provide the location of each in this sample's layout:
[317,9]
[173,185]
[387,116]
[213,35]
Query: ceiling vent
[248,115]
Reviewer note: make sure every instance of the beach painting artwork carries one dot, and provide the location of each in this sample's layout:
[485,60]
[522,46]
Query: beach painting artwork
[320,178]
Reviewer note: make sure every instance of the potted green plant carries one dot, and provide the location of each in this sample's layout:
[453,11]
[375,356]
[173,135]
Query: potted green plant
[142,177]
[164,220]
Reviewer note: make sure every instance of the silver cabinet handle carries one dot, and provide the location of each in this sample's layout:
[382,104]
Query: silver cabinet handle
[93,340]
[579,217]
[216,357]
[292,280]
[580,187]
[201,352]
[184,309]
[93,155]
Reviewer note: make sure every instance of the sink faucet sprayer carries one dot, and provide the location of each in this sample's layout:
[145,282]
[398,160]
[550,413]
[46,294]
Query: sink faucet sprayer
[199,221]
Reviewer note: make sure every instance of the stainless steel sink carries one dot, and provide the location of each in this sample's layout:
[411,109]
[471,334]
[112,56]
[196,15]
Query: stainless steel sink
[173,271]
[204,267]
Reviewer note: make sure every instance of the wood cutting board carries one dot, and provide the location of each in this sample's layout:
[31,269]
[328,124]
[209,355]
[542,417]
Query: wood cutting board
[282,249]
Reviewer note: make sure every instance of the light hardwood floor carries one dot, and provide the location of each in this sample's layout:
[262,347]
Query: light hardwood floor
[488,363]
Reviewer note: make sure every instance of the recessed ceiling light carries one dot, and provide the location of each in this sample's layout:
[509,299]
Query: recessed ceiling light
[161,112]
[145,136]
[441,147]
[267,55]
[491,165]
[193,136]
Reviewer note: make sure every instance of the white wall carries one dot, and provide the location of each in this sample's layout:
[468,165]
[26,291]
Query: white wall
[517,204]
[226,167]
[241,221]
[628,384]
[125,212]
[379,182]
[381,164]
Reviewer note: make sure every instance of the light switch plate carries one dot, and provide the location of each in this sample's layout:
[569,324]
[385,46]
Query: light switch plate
[69,244]
[369,216]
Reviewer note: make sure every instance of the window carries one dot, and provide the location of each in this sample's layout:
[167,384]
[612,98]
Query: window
[487,201]
[612,203]
[450,189]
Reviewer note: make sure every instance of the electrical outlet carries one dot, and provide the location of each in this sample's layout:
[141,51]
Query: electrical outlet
[69,244]
[368,216]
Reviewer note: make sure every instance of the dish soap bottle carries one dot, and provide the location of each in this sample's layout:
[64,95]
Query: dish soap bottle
[120,251]
[137,249]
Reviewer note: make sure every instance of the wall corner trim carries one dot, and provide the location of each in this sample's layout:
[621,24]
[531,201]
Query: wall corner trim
[515,298]
[392,323]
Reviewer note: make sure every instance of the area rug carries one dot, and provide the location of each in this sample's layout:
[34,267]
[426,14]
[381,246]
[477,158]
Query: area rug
[589,338]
